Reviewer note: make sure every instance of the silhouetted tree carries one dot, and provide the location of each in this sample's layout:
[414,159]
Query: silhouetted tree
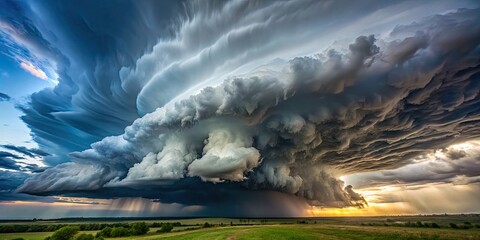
[119,232]
[105,232]
[453,225]
[139,228]
[65,233]
[166,227]
[435,225]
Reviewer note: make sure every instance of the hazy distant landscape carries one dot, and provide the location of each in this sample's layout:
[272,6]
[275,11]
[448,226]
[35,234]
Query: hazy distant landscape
[436,227]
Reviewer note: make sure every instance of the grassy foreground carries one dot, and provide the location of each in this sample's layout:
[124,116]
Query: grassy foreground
[295,231]
[330,232]
[461,227]
[31,235]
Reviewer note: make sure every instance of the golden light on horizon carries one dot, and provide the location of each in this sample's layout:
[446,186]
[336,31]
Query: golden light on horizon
[375,209]
[406,200]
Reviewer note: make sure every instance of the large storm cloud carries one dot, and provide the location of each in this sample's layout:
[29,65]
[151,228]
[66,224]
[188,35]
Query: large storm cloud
[84,51]
[122,60]
[291,126]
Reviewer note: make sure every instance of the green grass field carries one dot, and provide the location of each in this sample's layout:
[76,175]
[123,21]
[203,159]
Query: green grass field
[31,235]
[314,228]
[328,232]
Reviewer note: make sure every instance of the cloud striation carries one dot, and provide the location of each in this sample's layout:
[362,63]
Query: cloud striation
[296,126]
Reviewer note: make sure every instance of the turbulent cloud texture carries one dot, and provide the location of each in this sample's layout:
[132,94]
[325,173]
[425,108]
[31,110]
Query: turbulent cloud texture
[119,61]
[4,97]
[84,50]
[458,164]
[30,152]
[292,126]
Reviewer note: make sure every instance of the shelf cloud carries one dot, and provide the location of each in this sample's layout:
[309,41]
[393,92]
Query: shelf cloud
[226,102]
[296,126]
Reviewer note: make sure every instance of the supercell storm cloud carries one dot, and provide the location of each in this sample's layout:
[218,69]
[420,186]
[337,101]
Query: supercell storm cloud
[201,103]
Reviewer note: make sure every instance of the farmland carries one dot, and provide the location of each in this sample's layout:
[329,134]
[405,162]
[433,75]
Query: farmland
[395,227]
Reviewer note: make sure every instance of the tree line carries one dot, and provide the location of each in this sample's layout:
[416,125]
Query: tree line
[18,228]
[71,232]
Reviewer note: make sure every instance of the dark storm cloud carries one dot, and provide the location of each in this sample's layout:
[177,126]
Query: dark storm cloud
[88,102]
[358,198]
[7,161]
[10,161]
[4,97]
[227,199]
[296,127]
[121,59]
[7,154]
[455,154]
[31,152]
[10,180]
[33,168]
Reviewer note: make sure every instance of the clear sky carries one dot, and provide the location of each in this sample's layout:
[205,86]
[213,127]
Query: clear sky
[239,108]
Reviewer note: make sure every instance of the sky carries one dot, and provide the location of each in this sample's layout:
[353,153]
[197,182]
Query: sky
[239,108]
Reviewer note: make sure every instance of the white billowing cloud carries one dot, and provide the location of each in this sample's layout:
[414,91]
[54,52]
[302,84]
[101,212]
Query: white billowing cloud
[295,128]
[170,163]
[226,155]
